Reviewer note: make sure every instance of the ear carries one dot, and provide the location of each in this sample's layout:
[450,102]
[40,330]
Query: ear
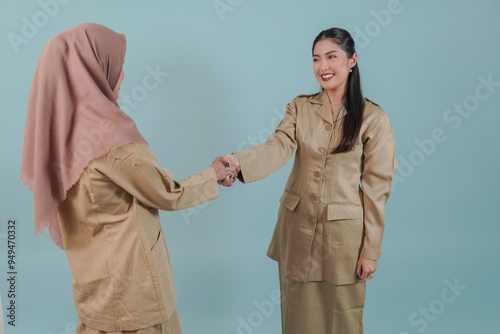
[354,60]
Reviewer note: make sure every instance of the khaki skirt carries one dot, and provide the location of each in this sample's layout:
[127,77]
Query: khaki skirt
[171,326]
[321,307]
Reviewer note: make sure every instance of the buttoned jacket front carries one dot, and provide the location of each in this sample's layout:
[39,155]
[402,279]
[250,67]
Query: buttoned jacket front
[333,208]
[114,241]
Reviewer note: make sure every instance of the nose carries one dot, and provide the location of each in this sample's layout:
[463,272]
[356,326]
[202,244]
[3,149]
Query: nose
[324,65]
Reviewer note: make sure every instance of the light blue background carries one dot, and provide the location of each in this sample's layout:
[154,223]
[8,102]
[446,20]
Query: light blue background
[230,75]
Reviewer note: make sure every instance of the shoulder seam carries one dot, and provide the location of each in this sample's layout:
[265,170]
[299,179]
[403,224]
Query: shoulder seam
[307,95]
[374,103]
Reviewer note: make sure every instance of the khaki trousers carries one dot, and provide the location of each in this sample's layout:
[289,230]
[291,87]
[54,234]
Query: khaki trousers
[171,326]
[321,307]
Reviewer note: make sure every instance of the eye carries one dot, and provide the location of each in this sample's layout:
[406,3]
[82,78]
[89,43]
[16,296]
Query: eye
[332,57]
[315,60]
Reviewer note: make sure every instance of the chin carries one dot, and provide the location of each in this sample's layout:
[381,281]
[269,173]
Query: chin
[329,87]
[325,87]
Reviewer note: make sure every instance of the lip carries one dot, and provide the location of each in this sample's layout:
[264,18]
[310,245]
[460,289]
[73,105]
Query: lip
[328,76]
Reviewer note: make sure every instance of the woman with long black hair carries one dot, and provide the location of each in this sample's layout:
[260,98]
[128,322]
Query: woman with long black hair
[331,218]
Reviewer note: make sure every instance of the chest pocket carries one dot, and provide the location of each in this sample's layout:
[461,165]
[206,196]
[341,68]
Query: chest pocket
[289,200]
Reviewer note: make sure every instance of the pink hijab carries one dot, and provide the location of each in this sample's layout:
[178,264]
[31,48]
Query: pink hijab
[72,116]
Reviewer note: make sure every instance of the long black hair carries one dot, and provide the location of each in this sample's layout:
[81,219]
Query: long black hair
[354,101]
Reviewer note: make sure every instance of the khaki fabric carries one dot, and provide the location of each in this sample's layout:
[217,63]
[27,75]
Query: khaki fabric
[321,307]
[171,326]
[113,237]
[325,219]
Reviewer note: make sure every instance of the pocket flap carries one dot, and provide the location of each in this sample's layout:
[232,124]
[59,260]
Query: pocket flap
[339,211]
[289,200]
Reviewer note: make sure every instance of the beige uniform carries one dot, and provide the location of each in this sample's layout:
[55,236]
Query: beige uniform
[113,237]
[326,220]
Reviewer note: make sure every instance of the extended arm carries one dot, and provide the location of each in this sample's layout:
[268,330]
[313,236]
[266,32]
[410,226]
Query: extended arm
[134,168]
[262,160]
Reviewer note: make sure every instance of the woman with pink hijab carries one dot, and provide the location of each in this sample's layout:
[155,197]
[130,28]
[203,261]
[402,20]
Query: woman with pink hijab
[98,187]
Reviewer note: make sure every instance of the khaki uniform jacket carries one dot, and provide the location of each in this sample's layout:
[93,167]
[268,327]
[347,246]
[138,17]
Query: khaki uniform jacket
[113,237]
[325,219]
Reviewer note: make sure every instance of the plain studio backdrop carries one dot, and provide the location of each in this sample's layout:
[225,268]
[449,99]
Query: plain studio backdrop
[205,78]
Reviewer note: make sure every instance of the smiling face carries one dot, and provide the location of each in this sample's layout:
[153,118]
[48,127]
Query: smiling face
[331,66]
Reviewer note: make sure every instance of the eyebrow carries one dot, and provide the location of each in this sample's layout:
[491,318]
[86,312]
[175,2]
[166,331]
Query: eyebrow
[329,52]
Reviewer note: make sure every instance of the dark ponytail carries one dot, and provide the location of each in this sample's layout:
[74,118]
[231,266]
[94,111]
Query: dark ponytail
[354,101]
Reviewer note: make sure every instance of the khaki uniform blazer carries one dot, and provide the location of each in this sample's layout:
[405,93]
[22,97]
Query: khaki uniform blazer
[113,237]
[333,208]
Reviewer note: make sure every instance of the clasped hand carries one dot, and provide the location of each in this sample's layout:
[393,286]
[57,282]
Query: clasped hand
[227,169]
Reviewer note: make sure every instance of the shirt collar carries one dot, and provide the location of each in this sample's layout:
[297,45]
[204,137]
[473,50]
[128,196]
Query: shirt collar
[323,108]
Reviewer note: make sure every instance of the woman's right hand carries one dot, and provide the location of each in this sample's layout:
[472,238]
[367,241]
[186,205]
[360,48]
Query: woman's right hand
[233,160]
[226,173]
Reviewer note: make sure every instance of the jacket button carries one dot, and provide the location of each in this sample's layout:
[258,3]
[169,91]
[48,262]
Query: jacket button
[322,149]
[310,221]
[317,174]
[328,127]
[313,197]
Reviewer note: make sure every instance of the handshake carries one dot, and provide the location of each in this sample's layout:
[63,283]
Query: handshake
[227,169]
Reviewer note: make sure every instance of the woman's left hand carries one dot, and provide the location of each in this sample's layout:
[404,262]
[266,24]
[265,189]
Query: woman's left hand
[366,268]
